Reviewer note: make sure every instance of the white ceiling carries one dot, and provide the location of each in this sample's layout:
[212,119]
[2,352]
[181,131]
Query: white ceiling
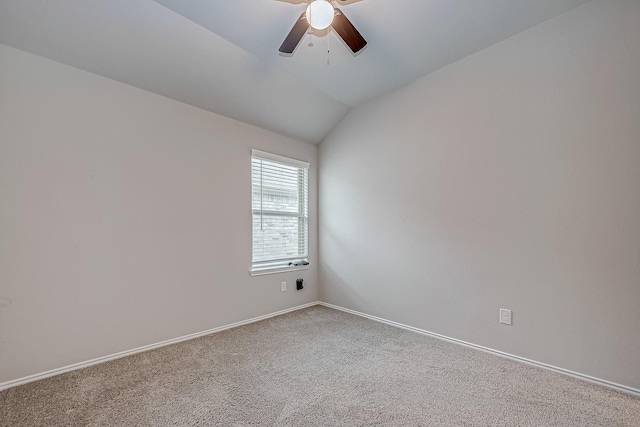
[222,55]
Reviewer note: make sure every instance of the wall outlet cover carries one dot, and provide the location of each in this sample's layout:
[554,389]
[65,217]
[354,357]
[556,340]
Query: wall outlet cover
[505,316]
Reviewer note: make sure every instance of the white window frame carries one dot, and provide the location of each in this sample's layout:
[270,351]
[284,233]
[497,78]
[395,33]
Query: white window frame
[280,265]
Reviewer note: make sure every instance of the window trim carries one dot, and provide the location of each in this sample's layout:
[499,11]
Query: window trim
[275,270]
[280,159]
[280,268]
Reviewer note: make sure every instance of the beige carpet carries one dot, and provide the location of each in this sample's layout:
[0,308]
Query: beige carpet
[315,367]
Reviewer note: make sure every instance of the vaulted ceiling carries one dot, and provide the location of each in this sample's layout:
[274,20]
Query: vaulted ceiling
[222,55]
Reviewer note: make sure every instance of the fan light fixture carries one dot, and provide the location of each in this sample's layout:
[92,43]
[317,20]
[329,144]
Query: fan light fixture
[320,14]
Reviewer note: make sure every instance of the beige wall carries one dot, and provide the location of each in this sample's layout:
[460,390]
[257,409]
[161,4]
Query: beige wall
[508,179]
[124,218]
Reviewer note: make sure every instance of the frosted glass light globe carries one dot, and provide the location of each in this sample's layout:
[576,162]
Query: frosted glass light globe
[320,14]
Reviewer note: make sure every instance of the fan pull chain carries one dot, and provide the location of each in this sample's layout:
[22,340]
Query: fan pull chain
[310,31]
[310,38]
[328,49]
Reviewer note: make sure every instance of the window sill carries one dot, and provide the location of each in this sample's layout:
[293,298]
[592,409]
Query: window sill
[275,270]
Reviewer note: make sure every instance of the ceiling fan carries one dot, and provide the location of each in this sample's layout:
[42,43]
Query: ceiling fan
[321,14]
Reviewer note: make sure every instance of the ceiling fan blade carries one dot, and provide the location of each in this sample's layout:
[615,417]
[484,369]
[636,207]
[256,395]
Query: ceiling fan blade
[295,35]
[348,32]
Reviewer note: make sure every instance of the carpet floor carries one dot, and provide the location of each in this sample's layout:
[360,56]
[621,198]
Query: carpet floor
[311,367]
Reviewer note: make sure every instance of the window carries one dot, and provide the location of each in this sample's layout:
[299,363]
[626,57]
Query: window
[280,204]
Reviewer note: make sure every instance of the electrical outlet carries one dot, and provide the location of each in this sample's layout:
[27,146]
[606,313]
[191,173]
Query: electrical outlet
[283,286]
[505,316]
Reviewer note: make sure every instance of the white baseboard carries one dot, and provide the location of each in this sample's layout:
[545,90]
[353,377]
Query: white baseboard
[599,381]
[80,365]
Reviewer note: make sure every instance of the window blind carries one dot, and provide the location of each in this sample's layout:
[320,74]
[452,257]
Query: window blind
[280,205]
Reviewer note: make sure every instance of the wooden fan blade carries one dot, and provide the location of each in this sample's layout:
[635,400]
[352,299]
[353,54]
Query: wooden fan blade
[348,32]
[295,35]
